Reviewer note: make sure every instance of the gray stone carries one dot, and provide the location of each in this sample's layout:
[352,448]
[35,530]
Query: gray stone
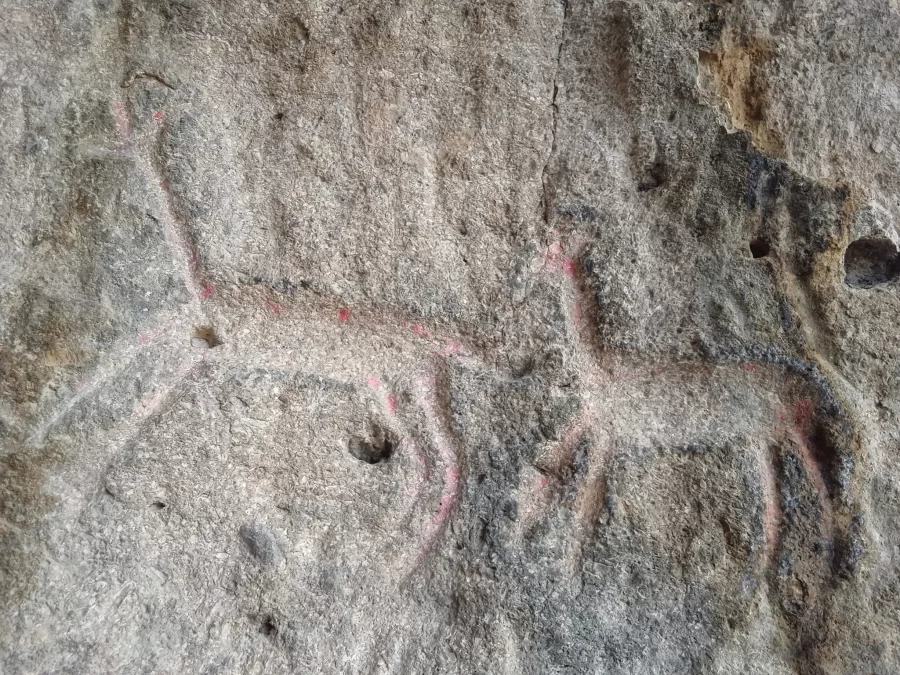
[261,543]
[609,288]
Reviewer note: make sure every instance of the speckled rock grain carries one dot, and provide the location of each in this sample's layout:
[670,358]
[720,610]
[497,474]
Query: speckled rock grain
[603,293]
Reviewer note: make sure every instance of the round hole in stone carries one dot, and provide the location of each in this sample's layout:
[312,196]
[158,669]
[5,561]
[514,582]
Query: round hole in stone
[158,506]
[268,626]
[205,338]
[760,248]
[370,451]
[870,262]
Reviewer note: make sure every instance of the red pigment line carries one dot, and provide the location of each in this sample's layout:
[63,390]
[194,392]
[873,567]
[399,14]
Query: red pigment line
[451,348]
[189,251]
[553,254]
[421,459]
[390,401]
[563,265]
[344,315]
[174,236]
[445,508]
[274,307]
[556,259]
[89,384]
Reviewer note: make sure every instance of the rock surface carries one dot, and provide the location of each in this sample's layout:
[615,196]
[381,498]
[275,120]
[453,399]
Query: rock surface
[607,289]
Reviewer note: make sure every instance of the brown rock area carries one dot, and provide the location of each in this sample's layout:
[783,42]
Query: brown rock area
[483,336]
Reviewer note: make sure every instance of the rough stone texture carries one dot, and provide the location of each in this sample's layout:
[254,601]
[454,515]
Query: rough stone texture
[609,287]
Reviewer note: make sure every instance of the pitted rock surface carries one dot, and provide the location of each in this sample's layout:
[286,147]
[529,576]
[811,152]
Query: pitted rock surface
[471,336]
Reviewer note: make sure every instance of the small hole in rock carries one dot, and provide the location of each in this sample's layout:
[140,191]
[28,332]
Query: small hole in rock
[268,626]
[159,506]
[654,177]
[370,451]
[205,338]
[759,248]
[511,510]
[870,262]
